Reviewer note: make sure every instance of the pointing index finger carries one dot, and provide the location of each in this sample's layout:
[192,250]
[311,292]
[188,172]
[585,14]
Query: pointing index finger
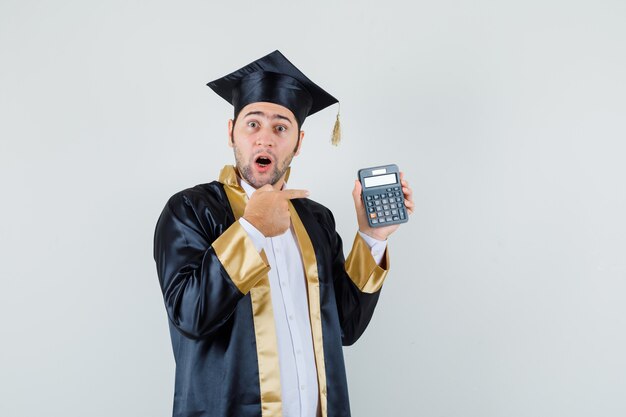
[291,194]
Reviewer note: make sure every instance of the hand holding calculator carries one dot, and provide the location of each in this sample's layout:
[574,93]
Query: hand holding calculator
[382,196]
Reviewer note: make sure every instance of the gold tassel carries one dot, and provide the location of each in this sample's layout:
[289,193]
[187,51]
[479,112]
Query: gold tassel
[336,137]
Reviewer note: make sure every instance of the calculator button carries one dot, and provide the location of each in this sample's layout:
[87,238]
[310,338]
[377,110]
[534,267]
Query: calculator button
[379,208]
[389,194]
[388,189]
[388,219]
[400,204]
[402,214]
[393,206]
[396,218]
[387,213]
[385,207]
[376,196]
[368,198]
[370,204]
[371,209]
[372,215]
[394,211]
[373,221]
[377,202]
[396,188]
[381,220]
[385,201]
[397,193]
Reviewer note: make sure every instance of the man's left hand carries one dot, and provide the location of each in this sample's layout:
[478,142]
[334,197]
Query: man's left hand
[380,233]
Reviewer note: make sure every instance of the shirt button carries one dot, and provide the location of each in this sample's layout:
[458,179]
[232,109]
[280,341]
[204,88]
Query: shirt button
[302,387]
[284,283]
[291,317]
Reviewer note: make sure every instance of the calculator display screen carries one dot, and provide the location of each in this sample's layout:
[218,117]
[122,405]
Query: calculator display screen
[380,180]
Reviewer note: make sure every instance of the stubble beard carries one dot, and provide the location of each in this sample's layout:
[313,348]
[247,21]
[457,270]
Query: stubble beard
[245,170]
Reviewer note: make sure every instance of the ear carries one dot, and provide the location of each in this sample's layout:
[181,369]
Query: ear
[231,123]
[299,143]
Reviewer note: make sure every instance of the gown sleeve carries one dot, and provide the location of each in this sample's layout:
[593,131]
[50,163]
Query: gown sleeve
[357,283]
[204,266]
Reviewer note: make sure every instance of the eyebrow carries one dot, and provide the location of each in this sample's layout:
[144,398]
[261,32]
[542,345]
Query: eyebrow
[274,116]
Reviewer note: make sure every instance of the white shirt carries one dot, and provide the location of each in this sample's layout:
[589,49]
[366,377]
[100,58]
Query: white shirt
[298,373]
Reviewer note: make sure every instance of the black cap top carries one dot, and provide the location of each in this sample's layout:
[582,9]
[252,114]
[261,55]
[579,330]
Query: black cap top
[276,80]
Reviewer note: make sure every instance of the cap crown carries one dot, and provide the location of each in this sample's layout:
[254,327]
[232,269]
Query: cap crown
[273,78]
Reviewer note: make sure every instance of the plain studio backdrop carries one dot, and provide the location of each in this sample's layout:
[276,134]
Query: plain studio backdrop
[507,291]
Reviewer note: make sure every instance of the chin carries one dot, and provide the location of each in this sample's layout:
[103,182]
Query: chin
[255,181]
[258,180]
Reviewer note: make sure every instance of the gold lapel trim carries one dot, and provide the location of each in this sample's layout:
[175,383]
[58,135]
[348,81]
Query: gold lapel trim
[263,316]
[313,286]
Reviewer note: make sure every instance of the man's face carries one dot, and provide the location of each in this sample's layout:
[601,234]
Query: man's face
[264,139]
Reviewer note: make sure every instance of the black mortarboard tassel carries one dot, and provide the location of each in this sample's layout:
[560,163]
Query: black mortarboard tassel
[276,80]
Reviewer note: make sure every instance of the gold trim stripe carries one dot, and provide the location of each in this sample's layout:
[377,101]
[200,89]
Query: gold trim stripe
[267,349]
[262,314]
[313,287]
[363,270]
[239,257]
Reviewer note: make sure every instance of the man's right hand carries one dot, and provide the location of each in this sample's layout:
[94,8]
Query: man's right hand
[268,209]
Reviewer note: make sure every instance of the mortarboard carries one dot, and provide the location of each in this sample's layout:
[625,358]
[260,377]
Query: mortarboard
[274,79]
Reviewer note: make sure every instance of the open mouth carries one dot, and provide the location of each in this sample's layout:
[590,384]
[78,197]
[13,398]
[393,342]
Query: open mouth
[263,161]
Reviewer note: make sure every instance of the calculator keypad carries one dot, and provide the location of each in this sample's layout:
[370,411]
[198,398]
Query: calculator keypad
[385,207]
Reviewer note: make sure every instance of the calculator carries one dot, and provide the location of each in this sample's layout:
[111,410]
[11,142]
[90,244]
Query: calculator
[382,195]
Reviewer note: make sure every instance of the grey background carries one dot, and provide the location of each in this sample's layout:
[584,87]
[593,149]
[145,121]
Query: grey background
[508,286]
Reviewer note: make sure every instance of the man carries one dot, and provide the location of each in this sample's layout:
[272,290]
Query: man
[258,295]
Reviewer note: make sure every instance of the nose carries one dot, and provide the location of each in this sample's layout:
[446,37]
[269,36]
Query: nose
[264,138]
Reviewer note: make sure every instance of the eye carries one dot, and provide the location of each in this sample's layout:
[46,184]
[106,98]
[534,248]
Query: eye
[253,124]
[281,128]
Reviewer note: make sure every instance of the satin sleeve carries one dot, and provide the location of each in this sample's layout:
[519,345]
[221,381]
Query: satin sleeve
[196,259]
[357,283]
[364,270]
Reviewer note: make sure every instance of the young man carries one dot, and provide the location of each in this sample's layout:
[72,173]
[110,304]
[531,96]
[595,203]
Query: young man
[258,295]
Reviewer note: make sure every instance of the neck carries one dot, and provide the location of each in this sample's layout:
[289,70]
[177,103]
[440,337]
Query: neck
[280,184]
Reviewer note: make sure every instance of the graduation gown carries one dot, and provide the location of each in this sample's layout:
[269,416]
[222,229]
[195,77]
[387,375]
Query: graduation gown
[217,296]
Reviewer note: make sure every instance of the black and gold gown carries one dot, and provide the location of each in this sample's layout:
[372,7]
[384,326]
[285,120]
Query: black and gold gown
[217,296]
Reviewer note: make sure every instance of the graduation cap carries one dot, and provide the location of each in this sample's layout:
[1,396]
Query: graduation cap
[274,79]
